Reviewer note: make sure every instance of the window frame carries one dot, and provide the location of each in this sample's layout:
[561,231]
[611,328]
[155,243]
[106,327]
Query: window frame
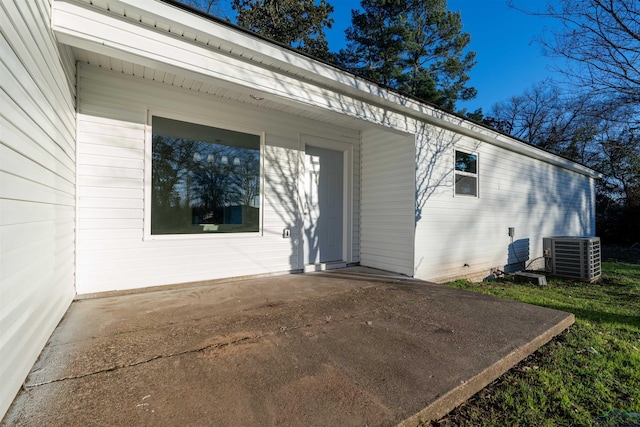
[475,175]
[148,184]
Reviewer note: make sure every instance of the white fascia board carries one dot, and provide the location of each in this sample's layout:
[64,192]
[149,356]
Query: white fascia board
[308,83]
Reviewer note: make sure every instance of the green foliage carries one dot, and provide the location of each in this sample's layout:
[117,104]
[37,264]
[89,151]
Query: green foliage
[297,23]
[212,7]
[414,46]
[589,375]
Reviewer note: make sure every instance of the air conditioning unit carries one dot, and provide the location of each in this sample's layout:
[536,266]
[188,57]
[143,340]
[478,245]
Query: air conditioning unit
[572,257]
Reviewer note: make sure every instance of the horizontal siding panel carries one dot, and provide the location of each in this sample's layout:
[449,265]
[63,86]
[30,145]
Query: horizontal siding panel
[102,213]
[114,110]
[111,151]
[15,164]
[111,182]
[381,249]
[24,59]
[40,252]
[113,234]
[400,260]
[378,193]
[34,321]
[112,140]
[18,289]
[392,161]
[392,212]
[19,188]
[86,246]
[110,171]
[385,262]
[110,193]
[17,127]
[147,253]
[24,212]
[88,160]
[139,278]
[269,245]
[395,181]
[37,188]
[387,202]
[110,203]
[109,223]
[111,131]
[30,93]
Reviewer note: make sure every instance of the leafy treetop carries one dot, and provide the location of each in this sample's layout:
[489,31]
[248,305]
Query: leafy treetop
[414,46]
[297,23]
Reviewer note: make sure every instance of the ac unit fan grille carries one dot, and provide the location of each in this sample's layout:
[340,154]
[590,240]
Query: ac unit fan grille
[577,258]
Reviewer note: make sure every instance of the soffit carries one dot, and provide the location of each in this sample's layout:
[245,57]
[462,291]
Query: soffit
[210,88]
[216,36]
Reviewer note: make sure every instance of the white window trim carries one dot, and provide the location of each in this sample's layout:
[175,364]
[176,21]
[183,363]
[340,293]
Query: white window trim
[474,175]
[148,133]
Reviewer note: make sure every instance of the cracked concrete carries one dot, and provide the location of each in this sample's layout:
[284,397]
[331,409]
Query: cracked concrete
[347,347]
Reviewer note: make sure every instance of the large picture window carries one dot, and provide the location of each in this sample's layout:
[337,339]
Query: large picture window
[204,179]
[466,174]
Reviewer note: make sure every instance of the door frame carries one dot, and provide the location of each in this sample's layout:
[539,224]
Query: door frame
[347,192]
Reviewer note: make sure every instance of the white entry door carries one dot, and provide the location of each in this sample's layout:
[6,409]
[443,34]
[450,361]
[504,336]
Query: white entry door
[323,205]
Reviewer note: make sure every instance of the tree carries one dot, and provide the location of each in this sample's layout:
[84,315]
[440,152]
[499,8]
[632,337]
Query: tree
[546,117]
[601,41]
[212,7]
[297,23]
[592,131]
[414,46]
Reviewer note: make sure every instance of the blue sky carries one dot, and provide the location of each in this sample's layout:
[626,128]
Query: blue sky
[509,62]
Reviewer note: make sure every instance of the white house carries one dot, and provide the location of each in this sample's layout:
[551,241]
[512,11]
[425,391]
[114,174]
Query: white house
[143,144]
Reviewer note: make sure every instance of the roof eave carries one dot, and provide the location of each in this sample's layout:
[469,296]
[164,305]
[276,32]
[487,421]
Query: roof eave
[269,54]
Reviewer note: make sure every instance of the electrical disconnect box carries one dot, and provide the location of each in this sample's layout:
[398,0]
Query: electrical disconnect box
[572,257]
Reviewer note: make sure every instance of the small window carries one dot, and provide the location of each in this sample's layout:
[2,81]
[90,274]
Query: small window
[204,179]
[466,174]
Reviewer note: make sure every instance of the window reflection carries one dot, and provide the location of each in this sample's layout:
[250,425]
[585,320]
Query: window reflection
[466,174]
[204,179]
[466,162]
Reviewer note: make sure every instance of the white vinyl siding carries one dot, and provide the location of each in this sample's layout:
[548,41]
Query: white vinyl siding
[113,254]
[179,49]
[536,198]
[37,188]
[387,205]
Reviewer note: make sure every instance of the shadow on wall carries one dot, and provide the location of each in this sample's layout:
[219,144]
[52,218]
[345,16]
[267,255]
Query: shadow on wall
[278,192]
[434,145]
[567,200]
[517,255]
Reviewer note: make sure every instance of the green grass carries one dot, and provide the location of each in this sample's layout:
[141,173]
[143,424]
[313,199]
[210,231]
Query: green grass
[587,376]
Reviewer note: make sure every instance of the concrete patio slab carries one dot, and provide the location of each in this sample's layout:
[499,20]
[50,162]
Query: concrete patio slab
[350,347]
